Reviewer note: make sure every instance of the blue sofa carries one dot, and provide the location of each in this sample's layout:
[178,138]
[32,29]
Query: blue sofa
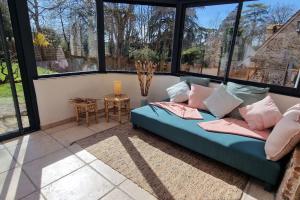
[243,153]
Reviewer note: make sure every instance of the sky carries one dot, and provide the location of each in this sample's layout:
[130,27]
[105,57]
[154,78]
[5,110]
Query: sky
[211,16]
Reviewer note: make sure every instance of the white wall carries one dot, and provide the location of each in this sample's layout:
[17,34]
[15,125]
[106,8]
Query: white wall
[284,102]
[53,93]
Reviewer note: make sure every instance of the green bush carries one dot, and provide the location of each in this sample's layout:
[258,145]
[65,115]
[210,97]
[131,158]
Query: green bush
[144,54]
[190,55]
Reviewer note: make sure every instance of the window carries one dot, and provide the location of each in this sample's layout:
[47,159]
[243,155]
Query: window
[8,117]
[64,35]
[206,39]
[138,32]
[267,49]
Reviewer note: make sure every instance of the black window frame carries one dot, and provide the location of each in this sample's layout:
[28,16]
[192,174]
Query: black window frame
[288,91]
[194,4]
[180,6]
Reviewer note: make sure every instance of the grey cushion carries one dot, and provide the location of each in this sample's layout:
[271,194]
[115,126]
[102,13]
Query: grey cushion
[195,80]
[249,94]
[179,92]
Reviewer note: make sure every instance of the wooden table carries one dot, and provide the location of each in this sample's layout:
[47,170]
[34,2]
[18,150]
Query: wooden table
[84,108]
[119,104]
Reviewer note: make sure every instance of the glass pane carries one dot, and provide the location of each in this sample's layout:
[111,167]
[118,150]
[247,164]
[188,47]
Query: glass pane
[64,35]
[8,121]
[206,39]
[267,49]
[138,32]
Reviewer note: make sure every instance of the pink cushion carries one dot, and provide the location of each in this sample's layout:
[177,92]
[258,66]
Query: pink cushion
[293,113]
[262,114]
[285,135]
[197,95]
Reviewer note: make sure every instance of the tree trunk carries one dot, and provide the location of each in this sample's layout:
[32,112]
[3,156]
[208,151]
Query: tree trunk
[64,33]
[35,16]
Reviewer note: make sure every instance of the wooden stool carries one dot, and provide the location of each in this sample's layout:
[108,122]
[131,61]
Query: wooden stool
[120,105]
[84,108]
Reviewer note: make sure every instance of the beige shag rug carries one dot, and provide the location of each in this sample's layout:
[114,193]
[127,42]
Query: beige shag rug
[164,169]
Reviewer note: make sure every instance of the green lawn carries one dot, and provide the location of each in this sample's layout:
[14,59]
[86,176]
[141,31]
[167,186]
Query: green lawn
[5,90]
[17,75]
[43,71]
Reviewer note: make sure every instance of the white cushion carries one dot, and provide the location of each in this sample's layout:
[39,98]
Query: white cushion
[179,92]
[221,102]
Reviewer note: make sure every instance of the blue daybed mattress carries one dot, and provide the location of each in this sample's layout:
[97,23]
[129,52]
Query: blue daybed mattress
[243,153]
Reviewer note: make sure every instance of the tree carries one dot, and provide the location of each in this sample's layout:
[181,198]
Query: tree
[6,20]
[4,77]
[63,12]
[37,9]
[119,27]
[280,13]
[51,36]
[40,40]
[83,13]
[254,23]
[161,29]
[192,31]
[137,29]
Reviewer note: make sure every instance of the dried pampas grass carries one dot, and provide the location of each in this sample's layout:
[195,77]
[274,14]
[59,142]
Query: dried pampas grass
[145,72]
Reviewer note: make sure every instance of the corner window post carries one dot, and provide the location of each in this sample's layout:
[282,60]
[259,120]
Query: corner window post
[100,33]
[234,36]
[24,47]
[177,41]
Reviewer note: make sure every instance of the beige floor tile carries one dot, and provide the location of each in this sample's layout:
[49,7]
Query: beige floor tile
[50,168]
[82,153]
[103,125]
[27,152]
[108,172]
[70,135]
[26,139]
[34,196]
[135,191]
[84,183]
[116,194]
[60,128]
[6,161]
[255,191]
[14,184]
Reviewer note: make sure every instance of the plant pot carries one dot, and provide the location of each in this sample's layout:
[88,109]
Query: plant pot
[144,101]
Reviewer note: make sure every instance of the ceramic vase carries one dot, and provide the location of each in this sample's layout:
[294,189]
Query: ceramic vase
[144,101]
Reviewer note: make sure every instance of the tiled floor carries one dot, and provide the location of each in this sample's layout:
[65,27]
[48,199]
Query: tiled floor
[45,165]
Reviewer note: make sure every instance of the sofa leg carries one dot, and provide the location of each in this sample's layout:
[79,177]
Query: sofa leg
[268,187]
[134,126]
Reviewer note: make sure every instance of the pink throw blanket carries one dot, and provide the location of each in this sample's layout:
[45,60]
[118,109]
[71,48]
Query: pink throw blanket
[234,126]
[181,110]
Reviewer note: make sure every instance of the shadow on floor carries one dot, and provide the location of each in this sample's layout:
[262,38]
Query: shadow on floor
[124,133]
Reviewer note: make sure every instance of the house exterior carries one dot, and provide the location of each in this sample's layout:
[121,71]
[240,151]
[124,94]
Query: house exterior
[278,59]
